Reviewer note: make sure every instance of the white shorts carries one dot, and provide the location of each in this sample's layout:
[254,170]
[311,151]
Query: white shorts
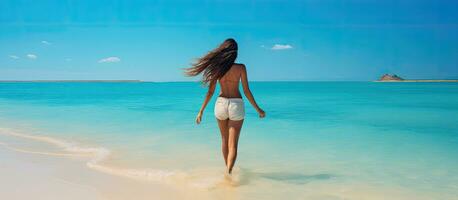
[229,108]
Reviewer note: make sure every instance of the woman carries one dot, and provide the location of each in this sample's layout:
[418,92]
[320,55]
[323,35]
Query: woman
[218,66]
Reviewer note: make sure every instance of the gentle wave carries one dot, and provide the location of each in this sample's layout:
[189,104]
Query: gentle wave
[96,157]
[207,179]
[211,179]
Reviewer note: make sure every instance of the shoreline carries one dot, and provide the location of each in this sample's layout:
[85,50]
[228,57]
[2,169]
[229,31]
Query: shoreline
[56,169]
[95,158]
[57,175]
[28,176]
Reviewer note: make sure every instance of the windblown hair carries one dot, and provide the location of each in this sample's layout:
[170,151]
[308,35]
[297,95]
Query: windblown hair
[215,63]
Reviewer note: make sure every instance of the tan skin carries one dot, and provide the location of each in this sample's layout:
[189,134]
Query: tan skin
[230,129]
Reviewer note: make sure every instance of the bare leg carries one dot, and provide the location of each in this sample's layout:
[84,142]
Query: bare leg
[223,127]
[234,133]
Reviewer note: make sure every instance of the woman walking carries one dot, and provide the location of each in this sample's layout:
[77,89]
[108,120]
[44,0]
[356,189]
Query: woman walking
[219,66]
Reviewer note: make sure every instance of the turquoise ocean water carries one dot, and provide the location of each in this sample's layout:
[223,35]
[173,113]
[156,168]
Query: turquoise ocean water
[320,140]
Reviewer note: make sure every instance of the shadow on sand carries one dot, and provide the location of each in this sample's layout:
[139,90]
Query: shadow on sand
[246,176]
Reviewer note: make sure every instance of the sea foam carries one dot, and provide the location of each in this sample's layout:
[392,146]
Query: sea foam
[96,157]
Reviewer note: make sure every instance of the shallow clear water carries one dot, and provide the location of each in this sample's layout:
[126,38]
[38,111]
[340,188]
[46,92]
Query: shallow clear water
[320,140]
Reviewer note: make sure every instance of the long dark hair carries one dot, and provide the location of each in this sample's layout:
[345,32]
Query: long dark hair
[215,63]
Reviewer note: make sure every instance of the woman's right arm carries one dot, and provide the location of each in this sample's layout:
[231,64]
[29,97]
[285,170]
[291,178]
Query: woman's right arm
[208,96]
[248,94]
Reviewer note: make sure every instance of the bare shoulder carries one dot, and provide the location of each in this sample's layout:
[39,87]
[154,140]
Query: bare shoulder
[240,67]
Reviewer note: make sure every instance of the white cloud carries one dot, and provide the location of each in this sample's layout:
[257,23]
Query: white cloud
[13,57]
[281,47]
[109,60]
[45,42]
[32,56]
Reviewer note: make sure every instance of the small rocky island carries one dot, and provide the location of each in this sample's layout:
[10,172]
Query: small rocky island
[388,77]
[396,78]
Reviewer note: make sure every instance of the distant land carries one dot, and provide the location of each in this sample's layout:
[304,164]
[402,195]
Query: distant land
[72,81]
[396,78]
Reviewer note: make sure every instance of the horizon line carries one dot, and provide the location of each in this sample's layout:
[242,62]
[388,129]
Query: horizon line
[179,81]
[146,81]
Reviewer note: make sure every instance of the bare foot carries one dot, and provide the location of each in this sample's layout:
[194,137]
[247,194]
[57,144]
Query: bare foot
[228,171]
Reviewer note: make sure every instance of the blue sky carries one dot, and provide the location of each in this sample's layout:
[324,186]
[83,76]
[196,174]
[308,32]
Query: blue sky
[278,40]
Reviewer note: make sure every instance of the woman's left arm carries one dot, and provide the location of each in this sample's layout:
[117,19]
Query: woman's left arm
[208,96]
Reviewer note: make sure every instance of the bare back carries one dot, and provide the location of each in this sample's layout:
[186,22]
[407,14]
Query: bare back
[229,83]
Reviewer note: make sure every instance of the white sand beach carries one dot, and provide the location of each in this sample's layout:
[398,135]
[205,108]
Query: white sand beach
[36,170]
[39,167]
[33,170]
